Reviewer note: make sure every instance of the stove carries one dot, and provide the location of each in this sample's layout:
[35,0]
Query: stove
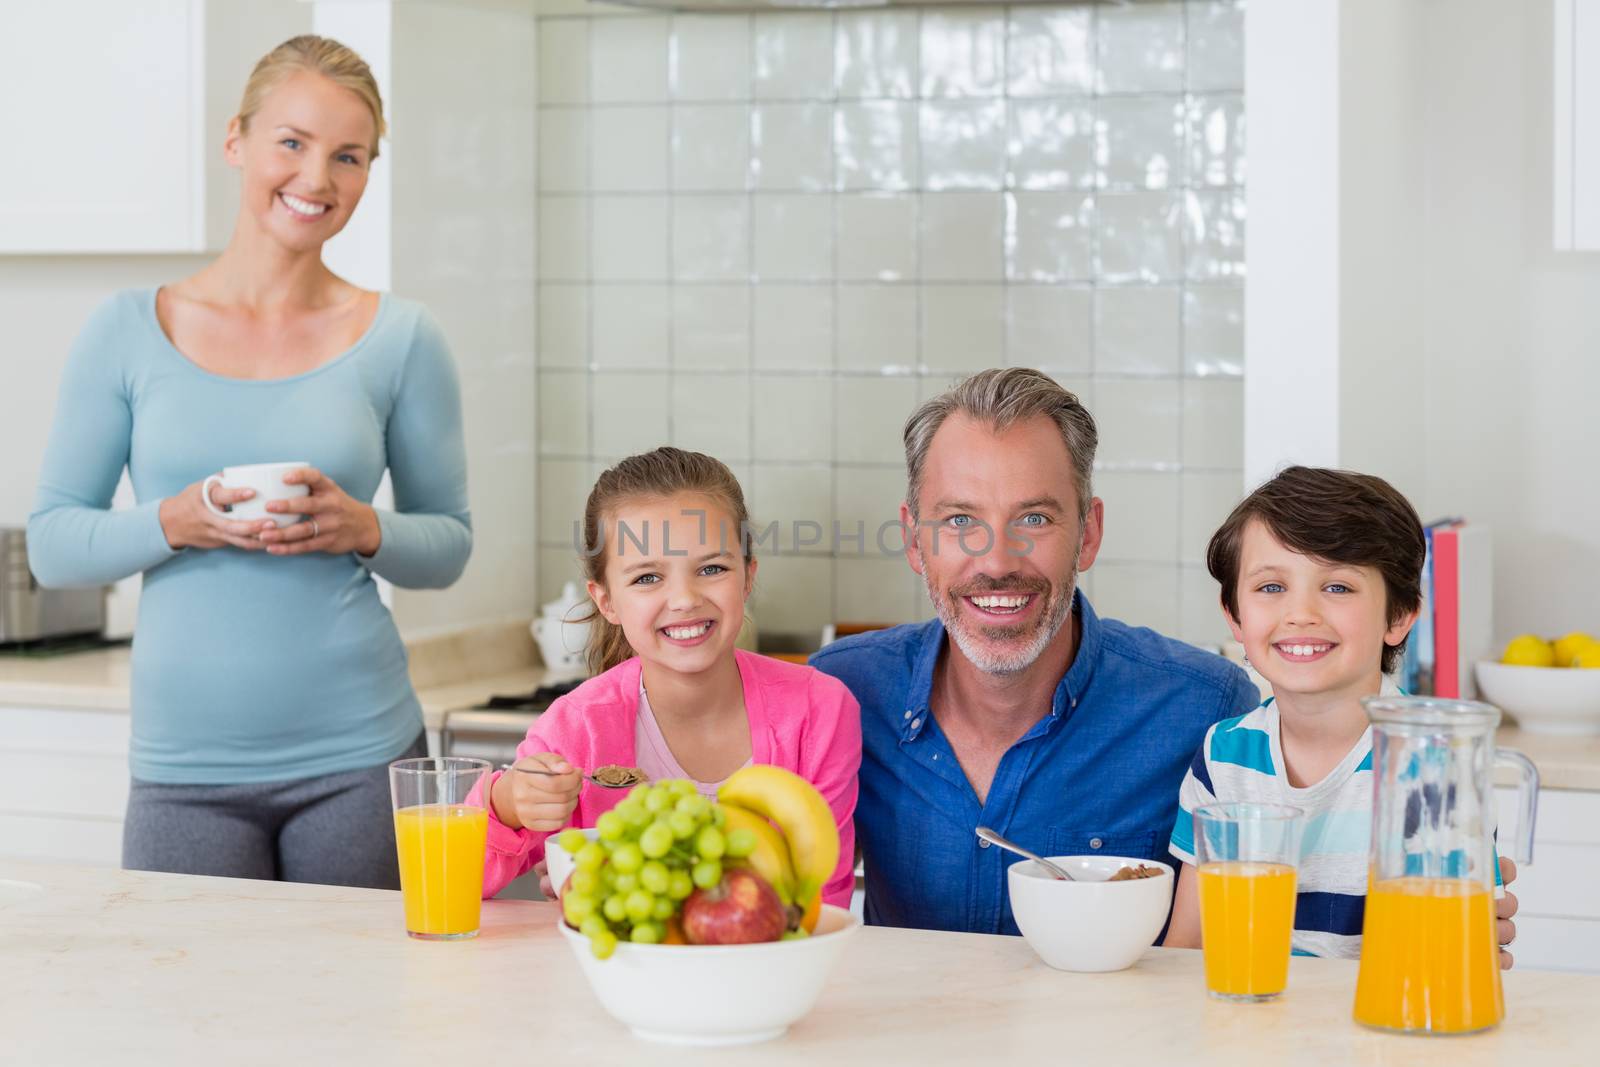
[493,730]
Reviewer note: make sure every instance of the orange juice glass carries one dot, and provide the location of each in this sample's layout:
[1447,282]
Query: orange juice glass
[1429,960]
[440,826]
[1246,855]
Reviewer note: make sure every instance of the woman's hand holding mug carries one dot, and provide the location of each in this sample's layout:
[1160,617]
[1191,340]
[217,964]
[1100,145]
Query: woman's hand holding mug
[187,522]
[331,520]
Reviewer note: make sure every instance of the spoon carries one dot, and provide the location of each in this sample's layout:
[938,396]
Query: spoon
[629,784]
[1010,846]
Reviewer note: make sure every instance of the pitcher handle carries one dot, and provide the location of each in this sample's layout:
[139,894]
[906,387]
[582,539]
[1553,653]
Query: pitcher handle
[1527,799]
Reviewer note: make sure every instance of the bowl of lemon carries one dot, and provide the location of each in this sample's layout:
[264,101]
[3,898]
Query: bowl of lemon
[1549,687]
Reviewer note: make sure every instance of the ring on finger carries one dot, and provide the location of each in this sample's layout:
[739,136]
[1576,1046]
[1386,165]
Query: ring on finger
[315,529]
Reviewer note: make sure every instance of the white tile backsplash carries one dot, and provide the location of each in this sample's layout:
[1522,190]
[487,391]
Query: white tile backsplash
[963,144]
[769,236]
[710,57]
[710,327]
[628,60]
[877,237]
[629,239]
[792,147]
[963,52]
[793,56]
[793,237]
[631,149]
[710,148]
[875,54]
[963,237]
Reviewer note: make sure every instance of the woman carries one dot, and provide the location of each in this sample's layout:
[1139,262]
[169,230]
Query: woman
[269,682]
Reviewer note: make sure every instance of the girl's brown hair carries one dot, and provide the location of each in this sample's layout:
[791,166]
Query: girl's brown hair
[649,476]
[1333,515]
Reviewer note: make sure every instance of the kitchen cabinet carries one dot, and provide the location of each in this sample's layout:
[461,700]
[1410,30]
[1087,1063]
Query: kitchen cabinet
[64,787]
[1558,928]
[127,157]
[1576,127]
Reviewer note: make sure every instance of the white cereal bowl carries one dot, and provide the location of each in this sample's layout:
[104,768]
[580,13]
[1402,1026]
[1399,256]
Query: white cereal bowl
[715,994]
[559,860]
[1544,700]
[1089,924]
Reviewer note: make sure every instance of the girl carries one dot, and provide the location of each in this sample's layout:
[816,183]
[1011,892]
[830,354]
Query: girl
[269,682]
[670,568]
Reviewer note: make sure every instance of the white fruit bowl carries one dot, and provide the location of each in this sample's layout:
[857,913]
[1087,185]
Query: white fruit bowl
[715,994]
[1544,700]
[559,860]
[1089,924]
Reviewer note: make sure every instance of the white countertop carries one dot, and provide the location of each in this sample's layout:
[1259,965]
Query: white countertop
[131,968]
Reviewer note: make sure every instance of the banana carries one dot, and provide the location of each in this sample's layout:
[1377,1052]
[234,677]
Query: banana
[800,812]
[771,858]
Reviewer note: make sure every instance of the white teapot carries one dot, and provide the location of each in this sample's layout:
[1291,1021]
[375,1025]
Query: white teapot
[563,638]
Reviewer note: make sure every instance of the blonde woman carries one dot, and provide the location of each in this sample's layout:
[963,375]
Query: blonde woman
[269,682]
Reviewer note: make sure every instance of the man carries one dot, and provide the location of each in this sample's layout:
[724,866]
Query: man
[1066,732]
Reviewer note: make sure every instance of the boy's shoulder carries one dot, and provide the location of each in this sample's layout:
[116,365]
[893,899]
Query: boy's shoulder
[1242,740]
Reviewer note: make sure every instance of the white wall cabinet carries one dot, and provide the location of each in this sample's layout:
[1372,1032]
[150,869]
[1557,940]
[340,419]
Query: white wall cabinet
[1558,927]
[65,790]
[1577,124]
[127,156]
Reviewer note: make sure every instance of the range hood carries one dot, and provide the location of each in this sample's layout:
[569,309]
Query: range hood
[732,6]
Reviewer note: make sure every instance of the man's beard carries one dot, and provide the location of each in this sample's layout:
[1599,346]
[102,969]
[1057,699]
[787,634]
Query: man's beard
[1020,646]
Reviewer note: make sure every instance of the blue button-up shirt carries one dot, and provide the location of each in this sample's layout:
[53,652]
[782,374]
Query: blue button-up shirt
[1099,773]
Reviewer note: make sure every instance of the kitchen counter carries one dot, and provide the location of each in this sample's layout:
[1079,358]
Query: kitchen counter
[456,670]
[462,669]
[133,968]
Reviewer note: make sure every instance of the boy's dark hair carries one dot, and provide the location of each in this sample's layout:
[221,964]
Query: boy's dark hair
[1333,515]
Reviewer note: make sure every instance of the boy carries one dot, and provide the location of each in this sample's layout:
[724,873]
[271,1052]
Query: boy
[1321,576]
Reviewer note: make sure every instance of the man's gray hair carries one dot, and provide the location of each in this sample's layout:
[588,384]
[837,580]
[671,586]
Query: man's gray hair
[1001,398]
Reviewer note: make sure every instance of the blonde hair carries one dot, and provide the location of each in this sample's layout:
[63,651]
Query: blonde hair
[650,475]
[320,55]
[1001,398]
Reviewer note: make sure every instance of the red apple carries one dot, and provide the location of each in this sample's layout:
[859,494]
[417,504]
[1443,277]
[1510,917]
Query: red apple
[739,910]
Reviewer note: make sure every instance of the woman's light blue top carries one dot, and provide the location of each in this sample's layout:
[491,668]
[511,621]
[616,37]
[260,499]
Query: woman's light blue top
[249,667]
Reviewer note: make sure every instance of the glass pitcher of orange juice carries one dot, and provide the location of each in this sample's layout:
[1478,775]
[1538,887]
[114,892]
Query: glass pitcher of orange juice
[1430,962]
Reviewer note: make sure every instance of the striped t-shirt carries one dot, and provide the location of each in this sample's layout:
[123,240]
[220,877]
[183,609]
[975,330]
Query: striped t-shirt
[1241,760]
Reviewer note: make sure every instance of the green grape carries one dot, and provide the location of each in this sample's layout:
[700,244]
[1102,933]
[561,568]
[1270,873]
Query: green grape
[641,905]
[683,825]
[711,844]
[589,857]
[693,805]
[576,907]
[664,908]
[608,877]
[647,934]
[657,801]
[610,826]
[603,944]
[584,882]
[680,787]
[741,842]
[718,816]
[572,840]
[592,924]
[615,907]
[632,813]
[655,842]
[627,859]
[625,883]
[680,885]
[653,876]
[638,793]
[707,873]
[794,935]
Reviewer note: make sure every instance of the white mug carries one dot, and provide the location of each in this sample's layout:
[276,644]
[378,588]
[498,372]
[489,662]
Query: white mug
[267,480]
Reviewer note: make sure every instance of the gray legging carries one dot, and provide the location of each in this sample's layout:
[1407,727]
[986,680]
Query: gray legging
[334,830]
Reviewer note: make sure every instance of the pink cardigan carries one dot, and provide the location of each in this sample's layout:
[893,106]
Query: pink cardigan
[800,719]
